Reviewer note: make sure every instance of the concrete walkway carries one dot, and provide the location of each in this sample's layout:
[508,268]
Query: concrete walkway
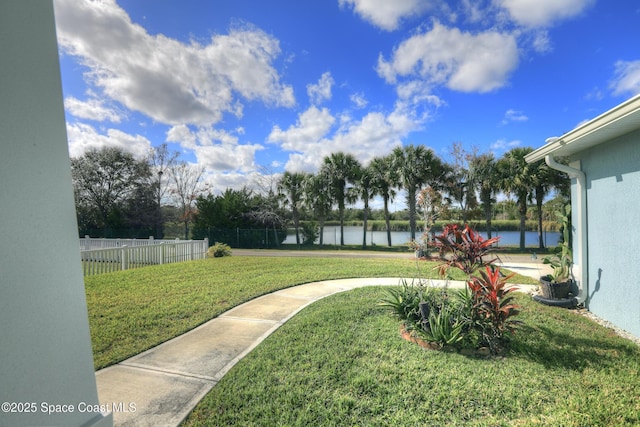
[161,386]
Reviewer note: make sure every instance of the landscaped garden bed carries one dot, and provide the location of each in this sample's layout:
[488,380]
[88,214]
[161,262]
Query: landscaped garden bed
[341,361]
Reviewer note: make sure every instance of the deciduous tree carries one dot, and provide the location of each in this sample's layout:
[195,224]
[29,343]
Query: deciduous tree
[104,182]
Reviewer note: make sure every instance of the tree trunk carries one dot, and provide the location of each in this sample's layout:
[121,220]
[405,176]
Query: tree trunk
[487,215]
[387,220]
[364,228]
[276,239]
[539,197]
[411,201]
[321,226]
[341,226]
[522,203]
[296,224]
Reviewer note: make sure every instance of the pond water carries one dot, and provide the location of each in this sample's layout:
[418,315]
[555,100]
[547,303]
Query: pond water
[353,236]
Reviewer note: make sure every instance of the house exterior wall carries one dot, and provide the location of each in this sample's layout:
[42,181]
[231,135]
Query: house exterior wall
[45,346]
[613,204]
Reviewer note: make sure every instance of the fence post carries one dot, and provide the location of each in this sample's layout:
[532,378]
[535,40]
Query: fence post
[206,247]
[161,253]
[87,244]
[123,254]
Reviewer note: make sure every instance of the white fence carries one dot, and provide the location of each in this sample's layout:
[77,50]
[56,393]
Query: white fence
[108,255]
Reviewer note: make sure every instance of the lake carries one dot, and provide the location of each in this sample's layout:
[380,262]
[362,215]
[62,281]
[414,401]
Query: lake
[353,236]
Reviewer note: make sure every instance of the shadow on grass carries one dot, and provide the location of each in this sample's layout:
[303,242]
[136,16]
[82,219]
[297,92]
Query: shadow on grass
[555,347]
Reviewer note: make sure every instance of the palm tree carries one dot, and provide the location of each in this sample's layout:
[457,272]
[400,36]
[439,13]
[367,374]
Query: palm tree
[384,180]
[417,166]
[483,178]
[317,197]
[342,169]
[365,192]
[456,181]
[291,186]
[516,179]
[545,179]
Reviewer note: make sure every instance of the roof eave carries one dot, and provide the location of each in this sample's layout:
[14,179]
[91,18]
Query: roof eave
[617,121]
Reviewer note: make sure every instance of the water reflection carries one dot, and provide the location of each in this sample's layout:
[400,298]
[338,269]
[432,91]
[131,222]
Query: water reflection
[353,236]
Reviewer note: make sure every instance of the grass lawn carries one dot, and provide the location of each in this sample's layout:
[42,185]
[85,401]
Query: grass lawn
[341,361]
[131,311]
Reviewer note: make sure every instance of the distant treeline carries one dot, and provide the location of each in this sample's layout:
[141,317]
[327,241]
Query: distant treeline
[478,225]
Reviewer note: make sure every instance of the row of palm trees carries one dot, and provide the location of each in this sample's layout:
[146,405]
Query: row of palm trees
[342,179]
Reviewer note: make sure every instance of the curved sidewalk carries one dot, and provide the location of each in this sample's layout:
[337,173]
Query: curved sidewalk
[161,386]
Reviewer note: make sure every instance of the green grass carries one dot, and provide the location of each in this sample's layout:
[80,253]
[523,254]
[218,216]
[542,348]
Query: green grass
[134,310]
[341,361]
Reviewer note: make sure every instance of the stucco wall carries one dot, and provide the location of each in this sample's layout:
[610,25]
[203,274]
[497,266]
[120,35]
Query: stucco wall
[613,202]
[46,365]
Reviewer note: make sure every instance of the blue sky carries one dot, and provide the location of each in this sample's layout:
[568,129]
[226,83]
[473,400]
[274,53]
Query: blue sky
[241,87]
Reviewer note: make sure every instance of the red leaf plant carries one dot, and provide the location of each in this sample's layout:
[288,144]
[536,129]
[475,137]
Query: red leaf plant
[463,248]
[493,305]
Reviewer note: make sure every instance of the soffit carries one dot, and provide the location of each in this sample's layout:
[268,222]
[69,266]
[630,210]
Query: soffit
[616,122]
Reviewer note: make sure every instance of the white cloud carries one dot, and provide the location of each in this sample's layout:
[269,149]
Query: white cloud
[216,149]
[92,109]
[511,116]
[170,81]
[626,79]
[503,145]
[219,182]
[311,139]
[594,94]
[459,60]
[474,11]
[541,13]
[226,157]
[322,90]
[358,100]
[416,92]
[82,137]
[541,42]
[386,14]
[311,127]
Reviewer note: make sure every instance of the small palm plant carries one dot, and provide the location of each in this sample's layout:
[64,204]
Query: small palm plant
[562,261]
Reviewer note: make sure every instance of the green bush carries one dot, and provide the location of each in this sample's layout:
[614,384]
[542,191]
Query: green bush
[218,250]
[479,315]
[310,232]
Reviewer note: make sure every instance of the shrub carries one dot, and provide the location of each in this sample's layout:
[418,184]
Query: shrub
[463,248]
[310,232]
[218,250]
[493,307]
[477,316]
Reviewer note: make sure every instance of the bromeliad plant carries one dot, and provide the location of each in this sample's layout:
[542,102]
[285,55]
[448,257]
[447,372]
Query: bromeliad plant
[477,316]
